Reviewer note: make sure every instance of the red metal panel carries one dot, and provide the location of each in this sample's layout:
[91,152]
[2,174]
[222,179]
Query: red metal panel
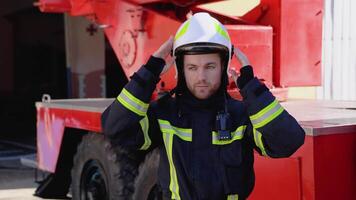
[323,168]
[81,7]
[181,3]
[290,178]
[73,7]
[335,166]
[297,26]
[256,43]
[148,1]
[306,154]
[90,121]
[54,6]
[277,179]
[300,45]
[135,33]
[51,123]
[50,129]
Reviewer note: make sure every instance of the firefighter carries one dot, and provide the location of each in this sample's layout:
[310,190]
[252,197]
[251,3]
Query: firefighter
[205,138]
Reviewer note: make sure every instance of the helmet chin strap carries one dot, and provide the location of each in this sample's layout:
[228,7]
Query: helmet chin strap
[223,121]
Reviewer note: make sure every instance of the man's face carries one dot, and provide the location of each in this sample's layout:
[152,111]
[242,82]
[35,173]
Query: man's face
[202,74]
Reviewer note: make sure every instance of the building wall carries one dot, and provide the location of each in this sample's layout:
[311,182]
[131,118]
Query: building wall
[85,52]
[339,51]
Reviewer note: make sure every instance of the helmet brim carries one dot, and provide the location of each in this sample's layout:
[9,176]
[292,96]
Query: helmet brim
[200,48]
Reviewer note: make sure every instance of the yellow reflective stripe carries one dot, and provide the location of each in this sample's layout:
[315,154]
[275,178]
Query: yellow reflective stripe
[132,103]
[144,126]
[233,197]
[267,114]
[257,136]
[221,31]
[182,31]
[183,133]
[173,185]
[235,135]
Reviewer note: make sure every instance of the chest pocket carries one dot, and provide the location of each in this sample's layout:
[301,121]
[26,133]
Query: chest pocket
[230,150]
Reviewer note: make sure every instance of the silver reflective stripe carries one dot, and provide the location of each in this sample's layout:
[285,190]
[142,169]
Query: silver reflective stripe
[132,103]
[144,123]
[265,118]
[266,115]
[235,135]
[183,133]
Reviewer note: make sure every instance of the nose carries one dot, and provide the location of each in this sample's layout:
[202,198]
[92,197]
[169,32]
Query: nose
[201,75]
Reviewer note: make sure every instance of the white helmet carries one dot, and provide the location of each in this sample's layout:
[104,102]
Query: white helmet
[200,32]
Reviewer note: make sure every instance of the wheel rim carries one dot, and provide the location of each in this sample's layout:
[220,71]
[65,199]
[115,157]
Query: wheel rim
[92,183]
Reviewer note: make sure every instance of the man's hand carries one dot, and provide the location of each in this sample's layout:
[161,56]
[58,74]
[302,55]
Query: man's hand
[163,52]
[246,71]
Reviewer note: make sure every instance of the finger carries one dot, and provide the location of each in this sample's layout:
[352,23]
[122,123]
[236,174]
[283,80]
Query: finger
[165,49]
[233,74]
[168,65]
[241,57]
[236,50]
[170,62]
[238,53]
[167,46]
[168,42]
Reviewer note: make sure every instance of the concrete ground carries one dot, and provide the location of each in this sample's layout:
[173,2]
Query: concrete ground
[16,180]
[17,184]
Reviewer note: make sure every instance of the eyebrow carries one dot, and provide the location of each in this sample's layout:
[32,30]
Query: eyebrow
[209,63]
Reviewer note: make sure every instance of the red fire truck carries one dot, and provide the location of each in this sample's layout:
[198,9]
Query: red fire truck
[283,41]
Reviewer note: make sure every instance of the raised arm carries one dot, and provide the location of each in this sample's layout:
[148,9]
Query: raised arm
[274,131]
[130,120]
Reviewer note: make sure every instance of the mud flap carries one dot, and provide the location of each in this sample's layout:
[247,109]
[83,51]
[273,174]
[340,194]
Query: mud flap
[54,186]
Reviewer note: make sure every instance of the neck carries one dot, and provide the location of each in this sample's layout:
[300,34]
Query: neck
[214,102]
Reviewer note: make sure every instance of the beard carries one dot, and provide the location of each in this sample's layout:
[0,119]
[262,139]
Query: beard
[203,89]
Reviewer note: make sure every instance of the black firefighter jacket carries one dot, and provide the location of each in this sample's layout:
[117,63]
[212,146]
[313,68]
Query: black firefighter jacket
[194,163]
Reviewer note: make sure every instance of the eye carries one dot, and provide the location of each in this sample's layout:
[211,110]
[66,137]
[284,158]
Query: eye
[211,67]
[192,68]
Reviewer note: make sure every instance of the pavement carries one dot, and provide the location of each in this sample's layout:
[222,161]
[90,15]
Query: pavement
[17,184]
[17,181]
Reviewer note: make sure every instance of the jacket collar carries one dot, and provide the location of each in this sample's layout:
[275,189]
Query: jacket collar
[189,103]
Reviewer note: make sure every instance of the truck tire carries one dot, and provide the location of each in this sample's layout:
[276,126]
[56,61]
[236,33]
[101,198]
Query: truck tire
[146,181]
[101,171]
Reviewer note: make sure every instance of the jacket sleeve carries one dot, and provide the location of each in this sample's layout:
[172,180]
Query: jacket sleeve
[275,132]
[130,120]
